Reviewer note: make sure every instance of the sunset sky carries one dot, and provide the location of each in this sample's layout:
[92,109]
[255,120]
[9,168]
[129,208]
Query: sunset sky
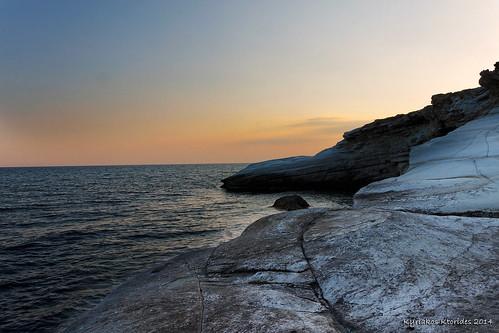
[138,82]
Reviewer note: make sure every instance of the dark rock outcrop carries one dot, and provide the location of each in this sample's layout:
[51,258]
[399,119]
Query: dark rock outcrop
[490,80]
[290,202]
[318,270]
[373,152]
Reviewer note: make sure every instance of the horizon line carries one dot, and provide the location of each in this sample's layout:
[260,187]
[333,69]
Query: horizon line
[117,165]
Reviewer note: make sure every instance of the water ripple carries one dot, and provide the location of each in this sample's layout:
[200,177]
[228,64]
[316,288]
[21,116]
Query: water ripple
[70,234]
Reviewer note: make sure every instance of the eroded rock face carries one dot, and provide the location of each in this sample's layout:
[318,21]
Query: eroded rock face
[290,202]
[490,80]
[317,270]
[456,173]
[373,152]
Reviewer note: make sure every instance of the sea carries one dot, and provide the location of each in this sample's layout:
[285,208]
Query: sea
[69,235]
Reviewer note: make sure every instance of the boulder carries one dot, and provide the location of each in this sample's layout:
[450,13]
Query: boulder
[291,202]
[318,270]
[373,152]
[454,174]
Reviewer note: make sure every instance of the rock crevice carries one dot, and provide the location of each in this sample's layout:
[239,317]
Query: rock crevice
[359,270]
[341,325]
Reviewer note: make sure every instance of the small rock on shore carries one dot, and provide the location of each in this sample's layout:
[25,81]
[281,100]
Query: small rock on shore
[291,202]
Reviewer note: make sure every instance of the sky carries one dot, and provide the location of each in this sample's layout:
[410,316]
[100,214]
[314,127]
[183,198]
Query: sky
[100,82]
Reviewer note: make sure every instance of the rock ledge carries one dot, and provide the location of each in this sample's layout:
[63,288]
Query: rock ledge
[318,270]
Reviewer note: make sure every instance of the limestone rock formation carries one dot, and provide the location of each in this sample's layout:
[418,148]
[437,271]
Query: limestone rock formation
[456,173]
[375,268]
[318,270]
[259,282]
[290,202]
[373,152]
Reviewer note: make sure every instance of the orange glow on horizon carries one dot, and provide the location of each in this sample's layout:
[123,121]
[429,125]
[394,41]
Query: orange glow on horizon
[225,84]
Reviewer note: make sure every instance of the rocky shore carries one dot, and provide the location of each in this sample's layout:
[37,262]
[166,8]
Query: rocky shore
[420,243]
[319,270]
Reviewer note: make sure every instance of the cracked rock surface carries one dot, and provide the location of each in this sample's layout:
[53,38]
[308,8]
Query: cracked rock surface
[317,270]
[456,173]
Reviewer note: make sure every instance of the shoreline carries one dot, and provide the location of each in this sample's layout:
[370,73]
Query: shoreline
[376,267]
[278,274]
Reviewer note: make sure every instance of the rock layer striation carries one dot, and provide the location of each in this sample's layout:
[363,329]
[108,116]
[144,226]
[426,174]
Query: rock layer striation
[373,152]
[457,173]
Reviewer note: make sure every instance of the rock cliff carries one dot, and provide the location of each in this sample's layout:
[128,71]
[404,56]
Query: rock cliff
[373,152]
[457,173]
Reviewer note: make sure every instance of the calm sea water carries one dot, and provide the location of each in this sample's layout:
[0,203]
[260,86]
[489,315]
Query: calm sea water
[68,235]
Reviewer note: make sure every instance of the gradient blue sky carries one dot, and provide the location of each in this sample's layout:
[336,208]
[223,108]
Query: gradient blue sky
[131,82]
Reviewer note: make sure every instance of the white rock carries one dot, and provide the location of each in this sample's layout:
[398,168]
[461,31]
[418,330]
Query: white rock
[456,173]
[318,270]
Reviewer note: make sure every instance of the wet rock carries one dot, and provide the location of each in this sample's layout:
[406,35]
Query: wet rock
[290,202]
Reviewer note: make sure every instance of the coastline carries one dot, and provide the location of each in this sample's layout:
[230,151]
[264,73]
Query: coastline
[316,270]
[411,249]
